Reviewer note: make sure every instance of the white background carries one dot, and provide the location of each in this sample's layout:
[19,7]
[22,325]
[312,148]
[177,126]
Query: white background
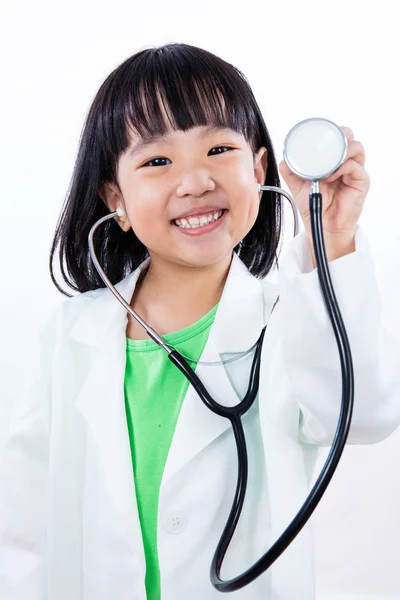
[335,59]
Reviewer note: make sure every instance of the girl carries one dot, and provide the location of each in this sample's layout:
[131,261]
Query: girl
[116,480]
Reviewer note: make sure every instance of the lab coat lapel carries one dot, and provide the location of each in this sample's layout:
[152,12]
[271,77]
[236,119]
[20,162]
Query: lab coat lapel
[197,426]
[237,326]
[102,328]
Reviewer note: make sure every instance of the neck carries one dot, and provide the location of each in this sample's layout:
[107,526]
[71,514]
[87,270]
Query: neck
[173,296]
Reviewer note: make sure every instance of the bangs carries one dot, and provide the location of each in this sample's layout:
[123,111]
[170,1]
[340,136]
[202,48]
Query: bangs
[170,90]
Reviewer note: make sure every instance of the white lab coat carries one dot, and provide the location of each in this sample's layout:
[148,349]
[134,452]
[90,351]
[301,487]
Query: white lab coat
[69,527]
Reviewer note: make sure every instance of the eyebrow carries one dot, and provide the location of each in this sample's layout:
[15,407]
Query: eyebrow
[159,138]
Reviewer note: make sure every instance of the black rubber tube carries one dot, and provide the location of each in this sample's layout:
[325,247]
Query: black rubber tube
[234,414]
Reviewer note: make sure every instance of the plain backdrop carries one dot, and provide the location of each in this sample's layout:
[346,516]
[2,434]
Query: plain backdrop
[335,59]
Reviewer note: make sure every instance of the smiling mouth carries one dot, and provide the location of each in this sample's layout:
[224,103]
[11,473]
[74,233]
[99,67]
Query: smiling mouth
[198,222]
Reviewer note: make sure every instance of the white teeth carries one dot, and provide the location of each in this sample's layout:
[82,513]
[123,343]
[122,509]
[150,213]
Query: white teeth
[195,222]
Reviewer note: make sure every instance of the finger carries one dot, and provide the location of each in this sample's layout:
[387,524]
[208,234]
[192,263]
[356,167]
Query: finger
[353,172]
[356,152]
[348,132]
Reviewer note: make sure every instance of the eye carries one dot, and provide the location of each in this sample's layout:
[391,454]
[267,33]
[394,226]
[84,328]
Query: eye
[221,147]
[158,158]
[153,160]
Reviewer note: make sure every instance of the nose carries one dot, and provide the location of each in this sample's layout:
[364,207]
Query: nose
[195,183]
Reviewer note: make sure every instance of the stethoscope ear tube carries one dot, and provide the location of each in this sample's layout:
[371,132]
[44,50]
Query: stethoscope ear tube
[339,441]
[234,413]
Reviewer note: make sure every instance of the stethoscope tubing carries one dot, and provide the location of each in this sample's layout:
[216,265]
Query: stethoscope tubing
[335,453]
[234,413]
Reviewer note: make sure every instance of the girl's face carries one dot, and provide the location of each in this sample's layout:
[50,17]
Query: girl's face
[190,196]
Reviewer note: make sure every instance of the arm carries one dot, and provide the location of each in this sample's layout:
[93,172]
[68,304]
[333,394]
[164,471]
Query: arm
[23,482]
[311,352]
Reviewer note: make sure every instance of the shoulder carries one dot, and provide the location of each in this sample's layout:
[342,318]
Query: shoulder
[268,284]
[66,312]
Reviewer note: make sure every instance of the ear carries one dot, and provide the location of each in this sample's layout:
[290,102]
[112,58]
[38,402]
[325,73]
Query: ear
[112,198]
[261,165]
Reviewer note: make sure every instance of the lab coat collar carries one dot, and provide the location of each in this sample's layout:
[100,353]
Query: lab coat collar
[237,323]
[103,312]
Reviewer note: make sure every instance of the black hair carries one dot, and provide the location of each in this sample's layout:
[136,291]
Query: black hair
[190,82]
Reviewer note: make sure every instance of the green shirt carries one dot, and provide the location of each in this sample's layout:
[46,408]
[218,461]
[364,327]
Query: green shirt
[154,392]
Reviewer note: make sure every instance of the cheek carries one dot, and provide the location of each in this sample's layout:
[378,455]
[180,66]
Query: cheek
[247,206]
[246,192]
[145,219]
[145,207]
[254,207]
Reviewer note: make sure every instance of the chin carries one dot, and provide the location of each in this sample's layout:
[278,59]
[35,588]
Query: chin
[205,259]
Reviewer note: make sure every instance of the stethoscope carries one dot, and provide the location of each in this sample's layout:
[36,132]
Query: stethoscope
[314,149]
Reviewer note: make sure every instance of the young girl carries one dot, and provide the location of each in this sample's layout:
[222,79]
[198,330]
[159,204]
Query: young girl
[116,480]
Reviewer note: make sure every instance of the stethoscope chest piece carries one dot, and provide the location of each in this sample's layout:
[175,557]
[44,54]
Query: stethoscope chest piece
[315,148]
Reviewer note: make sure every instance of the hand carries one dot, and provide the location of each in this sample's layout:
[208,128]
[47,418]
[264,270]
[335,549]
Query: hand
[343,197]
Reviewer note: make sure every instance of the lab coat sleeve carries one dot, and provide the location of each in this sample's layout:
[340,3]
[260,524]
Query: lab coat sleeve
[23,481]
[311,353]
